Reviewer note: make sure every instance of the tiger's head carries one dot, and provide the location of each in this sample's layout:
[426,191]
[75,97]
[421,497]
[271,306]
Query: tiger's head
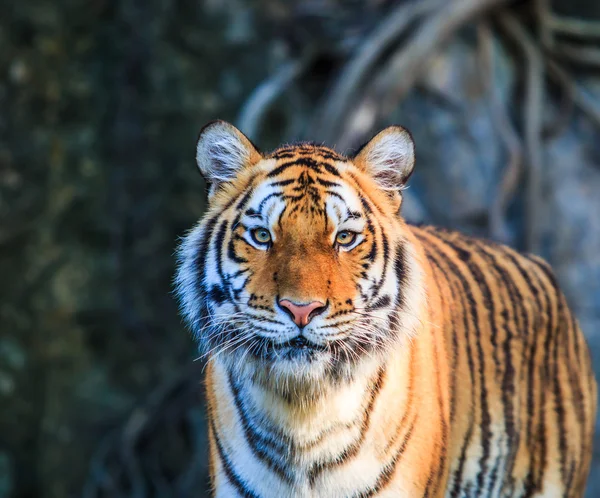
[301,268]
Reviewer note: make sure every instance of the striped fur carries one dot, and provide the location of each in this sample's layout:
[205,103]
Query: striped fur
[444,365]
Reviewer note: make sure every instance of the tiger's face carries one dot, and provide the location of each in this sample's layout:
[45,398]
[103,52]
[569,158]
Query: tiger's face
[300,269]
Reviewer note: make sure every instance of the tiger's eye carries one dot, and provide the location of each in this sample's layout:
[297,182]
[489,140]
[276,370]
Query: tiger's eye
[261,235]
[345,238]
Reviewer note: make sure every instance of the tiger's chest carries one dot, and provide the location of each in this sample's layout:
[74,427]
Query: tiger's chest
[333,474]
[263,449]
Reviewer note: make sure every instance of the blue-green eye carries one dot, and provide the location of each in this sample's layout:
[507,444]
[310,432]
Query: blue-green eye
[261,236]
[345,238]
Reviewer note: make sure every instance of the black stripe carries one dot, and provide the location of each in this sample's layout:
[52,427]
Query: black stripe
[281,168]
[231,254]
[532,480]
[508,374]
[329,154]
[280,217]
[336,195]
[512,429]
[201,254]
[233,477]
[352,450]
[578,398]
[260,446]
[237,292]
[352,215]
[330,169]
[433,254]
[219,239]
[466,254]
[266,199]
[436,472]
[373,206]
[382,302]
[489,304]
[217,294]
[243,201]
[552,364]
[364,203]
[545,375]
[327,183]
[253,213]
[389,469]
[455,349]
[283,154]
[486,433]
[401,271]
[372,255]
[306,162]
[386,259]
[283,183]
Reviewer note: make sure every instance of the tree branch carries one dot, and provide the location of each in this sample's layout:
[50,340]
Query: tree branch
[263,96]
[342,95]
[408,64]
[508,135]
[534,95]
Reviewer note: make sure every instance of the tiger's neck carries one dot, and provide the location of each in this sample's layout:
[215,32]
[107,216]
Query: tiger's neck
[305,419]
[297,442]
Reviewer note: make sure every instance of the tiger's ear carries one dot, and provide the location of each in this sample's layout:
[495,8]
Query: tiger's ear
[389,157]
[222,152]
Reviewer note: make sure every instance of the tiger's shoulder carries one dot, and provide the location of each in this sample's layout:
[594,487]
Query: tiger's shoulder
[504,294]
[488,265]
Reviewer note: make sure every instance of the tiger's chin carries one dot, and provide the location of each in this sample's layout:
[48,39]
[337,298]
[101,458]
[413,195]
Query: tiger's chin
[297,370]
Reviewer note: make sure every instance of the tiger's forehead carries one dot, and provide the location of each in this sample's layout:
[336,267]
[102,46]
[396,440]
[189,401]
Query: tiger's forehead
[304,182]
[316,161]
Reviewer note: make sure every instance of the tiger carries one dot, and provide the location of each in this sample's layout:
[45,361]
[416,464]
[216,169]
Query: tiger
[352,354]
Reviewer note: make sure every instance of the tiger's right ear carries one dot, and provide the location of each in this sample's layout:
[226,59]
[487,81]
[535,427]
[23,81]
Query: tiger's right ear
[389,157]
[222,152]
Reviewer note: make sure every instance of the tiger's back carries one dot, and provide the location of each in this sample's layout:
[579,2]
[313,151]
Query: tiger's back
[523,402]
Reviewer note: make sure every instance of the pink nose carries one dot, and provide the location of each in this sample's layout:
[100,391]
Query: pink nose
[302,313]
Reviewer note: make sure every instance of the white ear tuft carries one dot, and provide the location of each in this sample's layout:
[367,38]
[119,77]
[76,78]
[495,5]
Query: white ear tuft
[389,158]
[222,151]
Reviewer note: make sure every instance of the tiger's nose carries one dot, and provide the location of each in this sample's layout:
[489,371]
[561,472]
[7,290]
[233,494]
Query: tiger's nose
[302,313]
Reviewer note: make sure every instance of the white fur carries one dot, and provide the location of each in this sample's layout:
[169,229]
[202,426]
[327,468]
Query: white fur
[337,413]
[221,152]
[186,277]
[390,158]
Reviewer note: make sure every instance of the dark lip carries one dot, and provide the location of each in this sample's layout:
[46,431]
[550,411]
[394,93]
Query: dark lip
[297,348]
[301,342]
[298,345]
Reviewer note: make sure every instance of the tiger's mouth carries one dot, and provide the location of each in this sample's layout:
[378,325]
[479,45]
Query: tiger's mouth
[298,348]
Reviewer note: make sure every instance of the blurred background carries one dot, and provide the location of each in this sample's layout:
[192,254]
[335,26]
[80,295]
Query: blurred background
[100,106]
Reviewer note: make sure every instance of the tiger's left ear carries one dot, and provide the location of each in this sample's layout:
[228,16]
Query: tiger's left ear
[222,152]
[389,157]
